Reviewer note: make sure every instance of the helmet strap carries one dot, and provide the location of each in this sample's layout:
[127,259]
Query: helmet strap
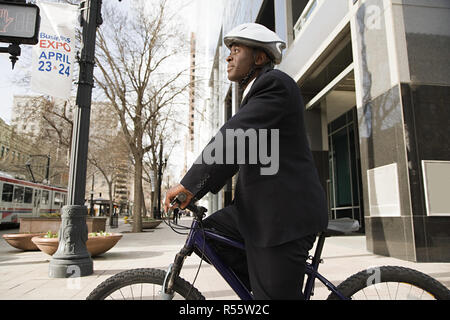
[248,77]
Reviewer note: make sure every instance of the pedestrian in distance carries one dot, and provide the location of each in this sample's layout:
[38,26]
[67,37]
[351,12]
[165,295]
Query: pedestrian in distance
[276,211]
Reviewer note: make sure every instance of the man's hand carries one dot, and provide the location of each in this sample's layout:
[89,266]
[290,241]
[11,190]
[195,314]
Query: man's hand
[173,192]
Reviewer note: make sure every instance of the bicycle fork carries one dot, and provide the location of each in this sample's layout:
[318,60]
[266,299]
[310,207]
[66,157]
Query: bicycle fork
[167,292]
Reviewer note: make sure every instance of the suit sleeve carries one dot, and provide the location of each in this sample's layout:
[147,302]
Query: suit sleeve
[264,110]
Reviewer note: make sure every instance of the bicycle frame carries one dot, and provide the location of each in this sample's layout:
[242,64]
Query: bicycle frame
[313,274]
[196,238]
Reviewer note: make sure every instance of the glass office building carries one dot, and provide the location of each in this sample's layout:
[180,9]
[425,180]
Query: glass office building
[375,78]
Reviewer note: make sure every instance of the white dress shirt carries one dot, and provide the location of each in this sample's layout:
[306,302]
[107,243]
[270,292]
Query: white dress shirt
[249,86]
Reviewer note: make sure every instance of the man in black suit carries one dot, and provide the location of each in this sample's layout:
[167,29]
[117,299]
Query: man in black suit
[277,210]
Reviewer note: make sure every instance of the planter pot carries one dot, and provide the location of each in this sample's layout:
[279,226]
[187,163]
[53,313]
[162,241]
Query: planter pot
[47,245]
[39,225]
[95,245]
[150,224]
[22,241]
[101,244]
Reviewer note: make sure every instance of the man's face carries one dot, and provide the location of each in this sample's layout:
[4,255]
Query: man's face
[240,61]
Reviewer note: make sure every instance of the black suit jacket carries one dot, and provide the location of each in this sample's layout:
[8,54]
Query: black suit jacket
[273,209]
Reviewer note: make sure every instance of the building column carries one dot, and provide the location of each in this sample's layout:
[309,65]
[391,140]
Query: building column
[317,133]
[402,79]
[284,26]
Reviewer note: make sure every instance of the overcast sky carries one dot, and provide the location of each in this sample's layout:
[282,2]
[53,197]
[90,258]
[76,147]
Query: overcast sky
[6,90]
[206,12]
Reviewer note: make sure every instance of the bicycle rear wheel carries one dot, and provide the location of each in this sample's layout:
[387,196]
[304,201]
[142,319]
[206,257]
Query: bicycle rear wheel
[392,283]
[141,284]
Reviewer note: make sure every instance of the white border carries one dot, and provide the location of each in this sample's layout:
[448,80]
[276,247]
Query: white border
[446,214]
[398,205]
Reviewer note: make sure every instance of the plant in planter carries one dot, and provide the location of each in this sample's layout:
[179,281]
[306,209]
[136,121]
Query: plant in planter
[97,243]
[22,241]
[47,243]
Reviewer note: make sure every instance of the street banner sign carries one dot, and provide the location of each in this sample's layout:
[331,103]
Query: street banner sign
[19,23]
[53,56]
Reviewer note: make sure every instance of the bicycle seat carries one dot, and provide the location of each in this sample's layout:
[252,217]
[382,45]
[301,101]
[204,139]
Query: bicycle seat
[341,226]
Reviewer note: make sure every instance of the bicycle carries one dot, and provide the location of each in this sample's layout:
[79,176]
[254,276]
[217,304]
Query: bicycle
[385,282]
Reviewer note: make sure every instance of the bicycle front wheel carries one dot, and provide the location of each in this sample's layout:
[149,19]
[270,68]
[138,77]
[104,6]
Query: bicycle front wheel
[392,283]
[142,284]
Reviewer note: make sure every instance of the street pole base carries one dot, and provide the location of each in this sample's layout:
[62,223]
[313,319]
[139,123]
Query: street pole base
[72,258]
[70,268]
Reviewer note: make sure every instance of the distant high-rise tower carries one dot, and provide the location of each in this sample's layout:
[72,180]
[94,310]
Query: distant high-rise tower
[189,146]
[192,94]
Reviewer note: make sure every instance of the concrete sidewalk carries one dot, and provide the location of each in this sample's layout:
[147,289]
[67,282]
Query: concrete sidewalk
[24,275]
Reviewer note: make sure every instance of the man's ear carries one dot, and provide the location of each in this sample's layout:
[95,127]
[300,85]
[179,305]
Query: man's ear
[261,58]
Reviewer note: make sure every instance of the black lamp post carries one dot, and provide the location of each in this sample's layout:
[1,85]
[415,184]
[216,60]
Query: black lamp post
[91,210]
[72,258]
[161,167]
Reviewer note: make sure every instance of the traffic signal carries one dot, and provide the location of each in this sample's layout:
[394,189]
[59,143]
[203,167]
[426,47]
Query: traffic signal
[19,22]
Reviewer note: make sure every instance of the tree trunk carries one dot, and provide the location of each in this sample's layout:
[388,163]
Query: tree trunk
[137,208]
[111,201]
[144,208]
[155,195]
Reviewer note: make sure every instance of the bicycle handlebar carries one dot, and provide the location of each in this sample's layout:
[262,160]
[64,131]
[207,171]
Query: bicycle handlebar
[198,211]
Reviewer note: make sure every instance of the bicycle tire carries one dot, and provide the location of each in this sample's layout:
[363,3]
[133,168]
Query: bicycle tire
[391,276]
[140,277]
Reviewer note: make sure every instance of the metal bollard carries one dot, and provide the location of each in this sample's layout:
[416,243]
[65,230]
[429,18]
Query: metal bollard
[114,220]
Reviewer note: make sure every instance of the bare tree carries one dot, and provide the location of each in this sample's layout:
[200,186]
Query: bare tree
[54,136]
[161,133]
[133,54]
[107,154]
[52,120]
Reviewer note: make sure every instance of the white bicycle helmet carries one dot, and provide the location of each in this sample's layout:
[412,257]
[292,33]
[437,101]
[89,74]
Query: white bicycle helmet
[257,36]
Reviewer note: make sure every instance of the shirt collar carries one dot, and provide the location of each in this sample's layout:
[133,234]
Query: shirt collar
[249,86]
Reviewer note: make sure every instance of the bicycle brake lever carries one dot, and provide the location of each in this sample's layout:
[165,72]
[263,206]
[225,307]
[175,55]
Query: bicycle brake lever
[198,211]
